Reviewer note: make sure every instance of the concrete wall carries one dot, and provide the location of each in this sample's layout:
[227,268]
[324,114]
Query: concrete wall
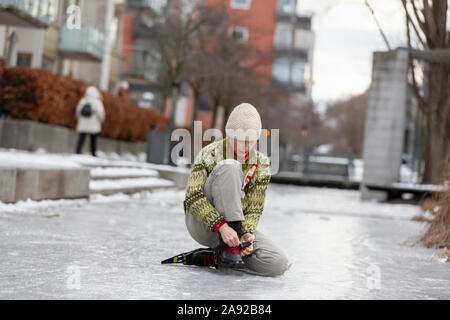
[2,39]
[31,136]
[385,121]
[19,184]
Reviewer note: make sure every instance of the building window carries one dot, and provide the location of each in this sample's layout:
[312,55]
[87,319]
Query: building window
[52,10]
[298,73]
[286,6]
[24,59]
[304,39]
[239,33]
[283,36]
[281,70]
[241,4]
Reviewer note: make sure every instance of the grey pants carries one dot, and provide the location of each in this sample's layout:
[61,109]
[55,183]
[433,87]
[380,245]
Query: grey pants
[223,190]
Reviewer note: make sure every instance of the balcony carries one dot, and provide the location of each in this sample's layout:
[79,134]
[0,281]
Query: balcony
[139,64]
[26,13]
[290,52]
[156,6]
[303,22]
[289,86]
[85,44]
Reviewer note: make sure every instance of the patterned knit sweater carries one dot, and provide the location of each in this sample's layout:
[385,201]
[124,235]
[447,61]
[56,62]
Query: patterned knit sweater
[198,205]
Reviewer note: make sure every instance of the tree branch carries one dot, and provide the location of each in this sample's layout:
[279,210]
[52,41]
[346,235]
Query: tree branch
[415,90]
[416,14]
[413,86]
[430,24]
[378,25]
[410,22]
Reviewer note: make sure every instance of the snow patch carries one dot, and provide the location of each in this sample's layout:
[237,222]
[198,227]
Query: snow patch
[96,185]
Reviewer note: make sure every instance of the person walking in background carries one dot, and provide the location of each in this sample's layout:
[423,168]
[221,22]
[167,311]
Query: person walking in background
[90,115]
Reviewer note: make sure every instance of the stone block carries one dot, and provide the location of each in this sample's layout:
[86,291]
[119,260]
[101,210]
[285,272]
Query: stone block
[107,145]
[48,186]
[74,183]
[27,181]
[7,184]
[1,130]
[10,133]
[368,195]
[24,140]
[179,178]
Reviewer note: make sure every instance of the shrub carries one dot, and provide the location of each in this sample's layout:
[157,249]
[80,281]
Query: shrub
[438,232]
[39,95]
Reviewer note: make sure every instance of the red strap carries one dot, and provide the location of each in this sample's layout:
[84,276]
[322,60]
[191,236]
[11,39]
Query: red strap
[217,227]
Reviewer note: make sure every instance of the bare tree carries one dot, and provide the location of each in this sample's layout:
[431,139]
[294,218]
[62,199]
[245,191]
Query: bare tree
[345,124]
[235,79]
[426,24]
[174,40]
[194,46]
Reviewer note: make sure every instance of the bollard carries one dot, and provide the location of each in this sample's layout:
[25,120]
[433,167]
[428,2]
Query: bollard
[158,146]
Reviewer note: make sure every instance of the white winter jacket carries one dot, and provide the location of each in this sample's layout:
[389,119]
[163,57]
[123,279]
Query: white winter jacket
[92,124]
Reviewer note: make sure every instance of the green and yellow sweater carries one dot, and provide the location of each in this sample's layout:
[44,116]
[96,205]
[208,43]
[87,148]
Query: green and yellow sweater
[198,205]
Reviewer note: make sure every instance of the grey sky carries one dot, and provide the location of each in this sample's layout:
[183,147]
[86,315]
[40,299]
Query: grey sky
[346,36]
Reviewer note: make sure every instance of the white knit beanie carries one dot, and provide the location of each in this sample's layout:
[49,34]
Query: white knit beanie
[244,123]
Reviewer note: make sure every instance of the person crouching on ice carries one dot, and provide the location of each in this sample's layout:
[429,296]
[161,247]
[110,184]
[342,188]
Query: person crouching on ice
[225,198]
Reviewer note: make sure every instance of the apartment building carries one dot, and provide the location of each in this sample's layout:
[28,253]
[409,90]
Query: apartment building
[139,66]
[253,22]
[275,28]
[107,42]
[22,30]
[293,52]
[69,37]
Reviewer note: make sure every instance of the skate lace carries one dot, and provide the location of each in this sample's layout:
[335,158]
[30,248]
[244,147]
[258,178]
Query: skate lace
[233,250]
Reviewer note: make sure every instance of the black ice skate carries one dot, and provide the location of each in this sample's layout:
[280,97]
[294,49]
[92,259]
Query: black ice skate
[203,257]
[228,257]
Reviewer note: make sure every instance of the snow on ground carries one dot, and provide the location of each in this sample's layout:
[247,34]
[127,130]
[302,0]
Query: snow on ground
[423,187]
[41,159]
[129,183]
[122,172]
[49,206]
[23,159]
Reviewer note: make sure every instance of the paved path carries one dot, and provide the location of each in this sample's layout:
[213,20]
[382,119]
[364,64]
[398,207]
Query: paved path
[111,248]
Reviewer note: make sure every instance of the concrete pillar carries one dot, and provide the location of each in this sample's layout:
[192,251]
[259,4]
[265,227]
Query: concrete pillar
[385,122]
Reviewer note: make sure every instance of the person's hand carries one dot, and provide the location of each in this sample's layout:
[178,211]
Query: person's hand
[229,236]
[248,237]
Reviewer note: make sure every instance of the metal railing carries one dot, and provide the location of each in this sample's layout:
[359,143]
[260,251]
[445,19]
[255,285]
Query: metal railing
[86,41]
[138,63]
[156,5]
[38,10]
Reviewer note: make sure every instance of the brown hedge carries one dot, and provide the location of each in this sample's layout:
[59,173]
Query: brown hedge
[42,96]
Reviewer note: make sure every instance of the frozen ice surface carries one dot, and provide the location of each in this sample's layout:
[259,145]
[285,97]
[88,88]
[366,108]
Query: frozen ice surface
[111,248]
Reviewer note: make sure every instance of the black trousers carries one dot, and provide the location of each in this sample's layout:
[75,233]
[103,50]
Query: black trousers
[82,138]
